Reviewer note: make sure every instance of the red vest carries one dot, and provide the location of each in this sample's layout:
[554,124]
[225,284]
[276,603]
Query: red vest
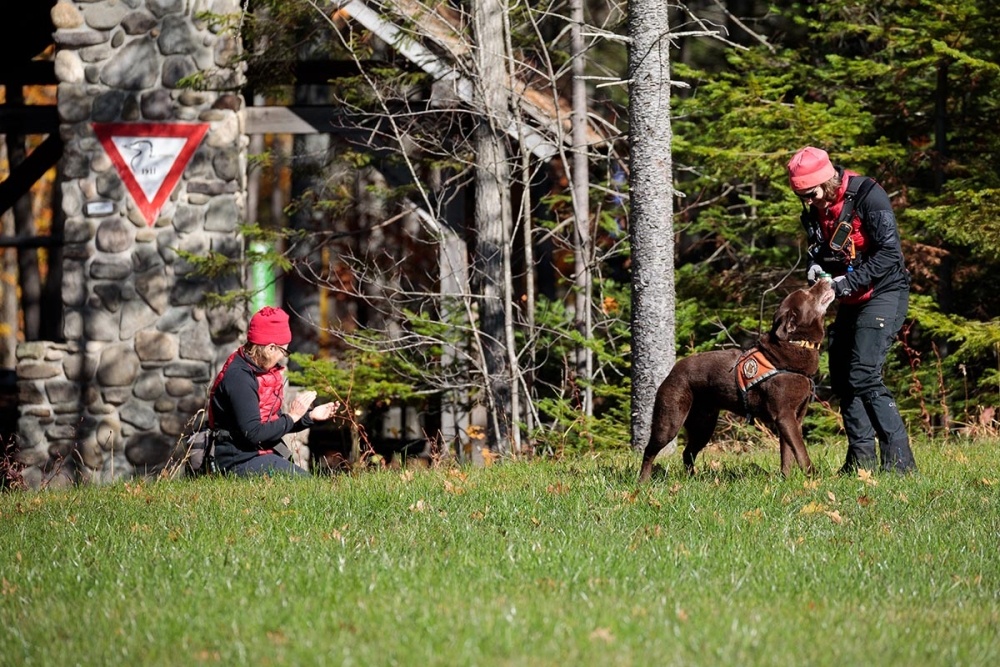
[859,241]
[270,388]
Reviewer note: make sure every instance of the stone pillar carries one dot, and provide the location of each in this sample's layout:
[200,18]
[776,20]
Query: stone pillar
[140,347]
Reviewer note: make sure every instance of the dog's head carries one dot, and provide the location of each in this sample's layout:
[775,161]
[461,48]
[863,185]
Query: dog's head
[800,315]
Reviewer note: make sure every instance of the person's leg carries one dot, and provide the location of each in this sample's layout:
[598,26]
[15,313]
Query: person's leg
[877,325]
[268,464]
[857,425]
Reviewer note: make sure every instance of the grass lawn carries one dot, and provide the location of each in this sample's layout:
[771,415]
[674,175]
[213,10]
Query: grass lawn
[543,563]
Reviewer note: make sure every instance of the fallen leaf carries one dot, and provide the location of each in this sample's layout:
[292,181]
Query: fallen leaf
[813,508]
[488,456]
[867,477]
[832,498]
[865,501]
[453,489]
[602,634]
[835,517]
[418,506]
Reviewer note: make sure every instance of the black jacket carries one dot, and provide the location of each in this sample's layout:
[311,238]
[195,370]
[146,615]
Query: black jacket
[245,411]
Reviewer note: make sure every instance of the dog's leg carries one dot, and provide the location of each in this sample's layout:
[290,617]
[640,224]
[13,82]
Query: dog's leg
[656,444]
[793,446]
[669,411]
[699,427]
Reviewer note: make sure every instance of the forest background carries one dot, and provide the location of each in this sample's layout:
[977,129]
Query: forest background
[905,91]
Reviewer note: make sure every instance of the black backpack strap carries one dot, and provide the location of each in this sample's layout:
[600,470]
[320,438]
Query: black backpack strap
[858,188]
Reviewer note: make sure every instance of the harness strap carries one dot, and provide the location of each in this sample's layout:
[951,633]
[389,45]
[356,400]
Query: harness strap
[753,368]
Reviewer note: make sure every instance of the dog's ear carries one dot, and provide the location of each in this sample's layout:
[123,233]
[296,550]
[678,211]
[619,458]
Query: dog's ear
[786,322]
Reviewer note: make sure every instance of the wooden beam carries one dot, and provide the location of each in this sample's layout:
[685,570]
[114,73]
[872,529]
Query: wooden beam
[22,243]
[26,174]
[29,119]
[290,120]
[30,73]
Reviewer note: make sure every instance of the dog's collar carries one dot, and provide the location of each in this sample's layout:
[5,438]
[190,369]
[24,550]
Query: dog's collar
[805,343]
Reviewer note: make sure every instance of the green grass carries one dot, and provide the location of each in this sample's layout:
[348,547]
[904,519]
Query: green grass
[542,563]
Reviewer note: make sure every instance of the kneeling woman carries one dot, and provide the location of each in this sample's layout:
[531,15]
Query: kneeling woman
[245,403]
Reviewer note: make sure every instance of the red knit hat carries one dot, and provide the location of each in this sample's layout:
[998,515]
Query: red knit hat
[810,167]
[269,325]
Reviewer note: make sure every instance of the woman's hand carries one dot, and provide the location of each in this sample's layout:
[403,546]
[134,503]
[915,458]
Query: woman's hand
[300,406]
[326,411]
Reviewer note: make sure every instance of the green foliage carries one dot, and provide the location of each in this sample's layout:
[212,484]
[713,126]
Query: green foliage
[549,562]
[557,397]
[361,377]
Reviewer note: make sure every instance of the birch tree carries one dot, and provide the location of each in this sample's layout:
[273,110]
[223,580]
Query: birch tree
[651,218]
[493,216]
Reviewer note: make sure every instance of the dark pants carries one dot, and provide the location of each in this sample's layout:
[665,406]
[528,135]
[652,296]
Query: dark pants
[268,464]
[859,341]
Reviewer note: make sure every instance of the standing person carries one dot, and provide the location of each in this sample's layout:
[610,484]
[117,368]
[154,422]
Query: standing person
[245,411]
[853,237]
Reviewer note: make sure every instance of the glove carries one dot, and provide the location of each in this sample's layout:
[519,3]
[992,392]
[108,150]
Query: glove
[840,287]
[812,275]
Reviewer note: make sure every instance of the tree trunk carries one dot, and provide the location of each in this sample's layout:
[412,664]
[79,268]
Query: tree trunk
[651,219]
[580,179]
[493,217]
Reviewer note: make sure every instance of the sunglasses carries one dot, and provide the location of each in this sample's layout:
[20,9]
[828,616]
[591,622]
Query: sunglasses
[284,350]
[811,194]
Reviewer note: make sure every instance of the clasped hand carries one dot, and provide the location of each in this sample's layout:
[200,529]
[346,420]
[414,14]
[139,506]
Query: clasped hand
[300,406]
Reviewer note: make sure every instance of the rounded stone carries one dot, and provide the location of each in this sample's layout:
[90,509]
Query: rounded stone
[108,106]
[161,8]
[179,386]
[108,433]
[118,367]
[105,16]
[156,346]
[177,37]
[114,235]
[138,22]
[100,162]
[65,16]
[156,105]
[69,67]
[134,67]
[149,386]
[74,102]
[177,68]
[147,450]
[90,453]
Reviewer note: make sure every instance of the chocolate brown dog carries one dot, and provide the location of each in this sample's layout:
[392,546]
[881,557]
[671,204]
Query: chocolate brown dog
[771,382]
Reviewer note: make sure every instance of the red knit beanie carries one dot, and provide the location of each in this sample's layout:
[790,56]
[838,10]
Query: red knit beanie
[269,325]
[810,167]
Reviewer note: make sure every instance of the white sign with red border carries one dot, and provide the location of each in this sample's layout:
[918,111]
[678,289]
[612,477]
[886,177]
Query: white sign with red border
[150,158]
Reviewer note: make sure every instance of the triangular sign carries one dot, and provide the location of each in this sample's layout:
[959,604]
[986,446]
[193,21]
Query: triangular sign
[150,158]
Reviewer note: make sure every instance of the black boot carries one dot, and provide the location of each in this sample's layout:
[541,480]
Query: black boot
[859,455]
[894,441]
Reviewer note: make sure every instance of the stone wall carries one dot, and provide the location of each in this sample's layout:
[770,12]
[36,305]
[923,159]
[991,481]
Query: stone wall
[112,399]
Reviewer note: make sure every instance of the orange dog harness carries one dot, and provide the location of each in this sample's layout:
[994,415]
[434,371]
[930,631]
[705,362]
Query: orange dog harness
[752,368]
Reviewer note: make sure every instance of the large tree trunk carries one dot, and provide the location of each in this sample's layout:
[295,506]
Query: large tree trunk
[651,219]
[493,217]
